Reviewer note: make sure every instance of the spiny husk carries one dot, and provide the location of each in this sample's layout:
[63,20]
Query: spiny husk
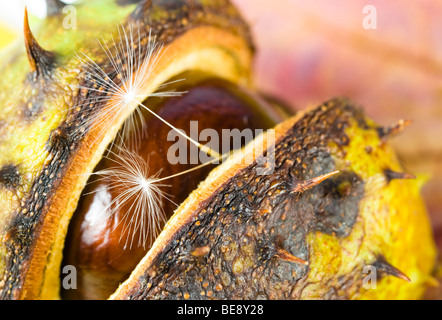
[45,150]
[286,235]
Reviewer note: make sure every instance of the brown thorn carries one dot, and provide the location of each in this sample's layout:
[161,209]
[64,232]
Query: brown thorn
[391,175]
[54,7]
[287,256]
[392,130]
[39,59]
[29,41]
[302,186]
[383,266]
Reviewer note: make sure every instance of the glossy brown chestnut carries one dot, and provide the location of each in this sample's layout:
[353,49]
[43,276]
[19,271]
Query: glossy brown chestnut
[96,243]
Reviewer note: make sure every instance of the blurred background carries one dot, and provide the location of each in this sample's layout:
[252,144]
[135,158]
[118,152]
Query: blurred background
[384,55]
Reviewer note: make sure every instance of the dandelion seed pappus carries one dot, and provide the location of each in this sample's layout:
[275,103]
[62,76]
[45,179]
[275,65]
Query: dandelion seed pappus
[132,63]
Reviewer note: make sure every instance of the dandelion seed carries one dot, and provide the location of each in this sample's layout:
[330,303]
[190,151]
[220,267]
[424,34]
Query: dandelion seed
[139,191]
[120,88]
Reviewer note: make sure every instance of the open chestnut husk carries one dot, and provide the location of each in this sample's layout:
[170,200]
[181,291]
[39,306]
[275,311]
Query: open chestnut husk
[105,248]
[318,206]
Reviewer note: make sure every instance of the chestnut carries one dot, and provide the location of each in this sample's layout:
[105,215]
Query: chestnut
[101,246]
